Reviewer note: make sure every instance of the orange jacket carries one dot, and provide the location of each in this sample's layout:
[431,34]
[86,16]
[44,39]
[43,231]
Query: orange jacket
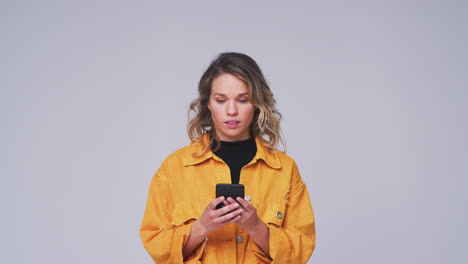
[184,185]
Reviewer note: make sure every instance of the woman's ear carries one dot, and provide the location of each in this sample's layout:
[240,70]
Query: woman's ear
[208,106]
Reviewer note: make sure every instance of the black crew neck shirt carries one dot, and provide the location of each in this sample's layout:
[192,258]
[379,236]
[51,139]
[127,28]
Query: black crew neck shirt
[237,154]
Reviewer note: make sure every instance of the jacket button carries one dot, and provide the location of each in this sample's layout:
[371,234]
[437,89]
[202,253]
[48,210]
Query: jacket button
[279,215]
[239,239]
[247,198]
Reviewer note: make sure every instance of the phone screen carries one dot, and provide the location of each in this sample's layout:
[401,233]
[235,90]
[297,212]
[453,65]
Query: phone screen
[229,190]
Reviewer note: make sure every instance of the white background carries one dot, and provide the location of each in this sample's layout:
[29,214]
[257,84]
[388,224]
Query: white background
[374,94]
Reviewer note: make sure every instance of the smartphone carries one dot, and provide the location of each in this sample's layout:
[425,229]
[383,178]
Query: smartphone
[229,190]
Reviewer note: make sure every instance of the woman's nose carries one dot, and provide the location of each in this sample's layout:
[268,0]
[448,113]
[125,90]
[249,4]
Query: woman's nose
[232,109]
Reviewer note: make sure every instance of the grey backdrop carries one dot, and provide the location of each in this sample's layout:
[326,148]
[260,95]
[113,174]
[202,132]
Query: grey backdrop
[374,95]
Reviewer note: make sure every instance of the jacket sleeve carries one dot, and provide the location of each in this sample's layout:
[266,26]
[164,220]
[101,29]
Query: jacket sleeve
[163,240]
[294,240]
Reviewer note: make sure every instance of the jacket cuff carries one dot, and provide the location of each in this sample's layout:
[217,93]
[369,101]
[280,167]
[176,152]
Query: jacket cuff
[197,254]
[258,253]
[181,236]
[280,246]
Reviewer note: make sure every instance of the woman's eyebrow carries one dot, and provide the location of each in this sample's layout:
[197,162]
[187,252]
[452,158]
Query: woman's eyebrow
[220,94]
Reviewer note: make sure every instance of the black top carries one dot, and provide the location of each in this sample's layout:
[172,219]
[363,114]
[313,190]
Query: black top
[236,155]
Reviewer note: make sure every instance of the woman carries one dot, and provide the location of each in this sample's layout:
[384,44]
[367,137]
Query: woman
[234,132]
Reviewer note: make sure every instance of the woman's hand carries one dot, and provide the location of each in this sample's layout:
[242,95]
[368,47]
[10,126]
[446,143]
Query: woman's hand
[250,222]
[211,220]
[214,219]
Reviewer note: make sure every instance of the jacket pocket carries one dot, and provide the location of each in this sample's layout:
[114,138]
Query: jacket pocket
[184,212]
[274,212]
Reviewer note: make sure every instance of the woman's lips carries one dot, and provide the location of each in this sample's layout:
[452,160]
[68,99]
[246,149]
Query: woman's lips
[232,124]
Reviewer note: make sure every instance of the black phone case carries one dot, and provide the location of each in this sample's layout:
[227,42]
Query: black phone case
[229,190]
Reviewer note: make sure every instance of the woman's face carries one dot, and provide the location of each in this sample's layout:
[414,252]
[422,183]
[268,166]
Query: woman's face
[231,110]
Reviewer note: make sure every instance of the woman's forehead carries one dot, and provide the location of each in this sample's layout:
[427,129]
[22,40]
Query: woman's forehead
[229,85]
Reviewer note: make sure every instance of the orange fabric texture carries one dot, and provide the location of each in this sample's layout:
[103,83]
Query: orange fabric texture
[184,185]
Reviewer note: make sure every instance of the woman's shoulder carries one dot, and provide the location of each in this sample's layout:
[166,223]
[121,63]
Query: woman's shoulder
[285,159]
[277,158]
[180,154]
[185,155]
[283,155]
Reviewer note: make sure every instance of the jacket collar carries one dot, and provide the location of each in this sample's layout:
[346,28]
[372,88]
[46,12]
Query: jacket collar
[271,159]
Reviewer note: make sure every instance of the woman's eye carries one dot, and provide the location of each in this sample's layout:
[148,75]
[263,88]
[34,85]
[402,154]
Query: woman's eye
[243,101]
[220,101]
